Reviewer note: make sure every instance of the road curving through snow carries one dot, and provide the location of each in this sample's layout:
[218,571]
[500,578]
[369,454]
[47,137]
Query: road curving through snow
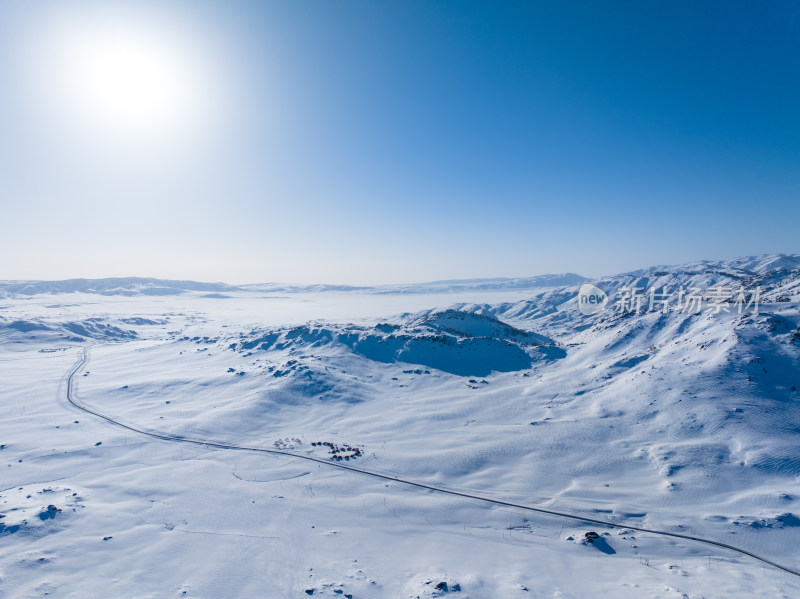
[405,481]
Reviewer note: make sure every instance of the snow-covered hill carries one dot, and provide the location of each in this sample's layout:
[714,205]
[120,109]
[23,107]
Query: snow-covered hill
[25,332]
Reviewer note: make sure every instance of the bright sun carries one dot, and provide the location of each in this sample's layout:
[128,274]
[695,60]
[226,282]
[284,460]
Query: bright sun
[126,83]
[123,80]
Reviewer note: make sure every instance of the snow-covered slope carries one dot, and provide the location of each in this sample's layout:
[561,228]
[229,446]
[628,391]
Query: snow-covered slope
[681,420]
[26,331]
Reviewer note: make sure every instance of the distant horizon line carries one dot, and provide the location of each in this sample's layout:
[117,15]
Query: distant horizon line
[289,284]
[455,281]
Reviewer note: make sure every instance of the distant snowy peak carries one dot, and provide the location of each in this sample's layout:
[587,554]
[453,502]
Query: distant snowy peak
[747,266]
[128,286]
[135,286]
[708,271]
[776,275]
[445,286]
[774,279]
[538,282]
[766,262]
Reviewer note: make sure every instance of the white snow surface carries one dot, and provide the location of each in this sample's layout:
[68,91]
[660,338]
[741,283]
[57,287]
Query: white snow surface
[680,422]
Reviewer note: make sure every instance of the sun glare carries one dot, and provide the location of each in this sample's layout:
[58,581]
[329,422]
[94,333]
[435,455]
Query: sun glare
[126,81]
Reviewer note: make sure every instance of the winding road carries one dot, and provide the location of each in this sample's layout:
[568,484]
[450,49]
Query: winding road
[405,481]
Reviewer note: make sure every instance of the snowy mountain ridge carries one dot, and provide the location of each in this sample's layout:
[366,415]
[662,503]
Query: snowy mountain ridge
[134,286]
[741,268]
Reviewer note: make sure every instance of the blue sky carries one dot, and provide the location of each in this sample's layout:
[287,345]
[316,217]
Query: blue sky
[370,142]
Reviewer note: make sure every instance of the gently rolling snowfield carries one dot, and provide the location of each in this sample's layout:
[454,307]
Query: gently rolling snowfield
[175,439]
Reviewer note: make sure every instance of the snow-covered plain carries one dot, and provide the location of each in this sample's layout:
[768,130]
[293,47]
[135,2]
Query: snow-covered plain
[677,421]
